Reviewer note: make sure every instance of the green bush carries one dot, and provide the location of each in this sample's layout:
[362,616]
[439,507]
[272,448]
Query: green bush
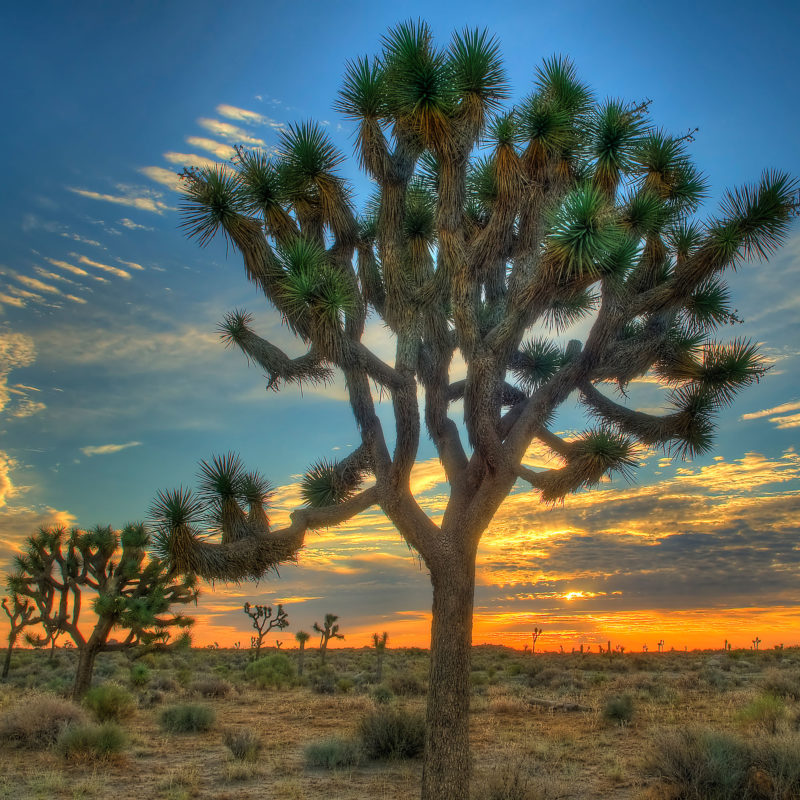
[244,745]
[782,683]
[708,765]
[407,684]
[392,733]
[140,675]
[334,753]
[382,694]
[273,671]
[322,679]
[37,721]
[91,741]
[619,709]
[187,718]
[767,712]
[109,702]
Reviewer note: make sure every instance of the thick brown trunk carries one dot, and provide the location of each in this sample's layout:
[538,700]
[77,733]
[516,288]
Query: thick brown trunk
[83,677]
[447,766]
[87,656]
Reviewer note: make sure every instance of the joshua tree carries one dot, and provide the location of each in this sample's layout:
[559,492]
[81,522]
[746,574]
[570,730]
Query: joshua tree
[264,622]
[302,637]
[21,613]
[327,631]
[379,643]
[488,228]
[756,643]
[537,632]
[58,567]
[660,644]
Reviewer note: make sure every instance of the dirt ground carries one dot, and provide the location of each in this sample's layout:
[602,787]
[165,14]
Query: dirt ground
[523,723]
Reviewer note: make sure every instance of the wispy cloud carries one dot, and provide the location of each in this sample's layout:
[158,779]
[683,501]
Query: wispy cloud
[776,415]
[16,351]
[53,276]
[230,132]
[134,226]
[74,270]
[244,115]
[190,159]
[131,264]
[106,449]
[219,149]
[166,177]
[142,202]
[119,273]
[82,239]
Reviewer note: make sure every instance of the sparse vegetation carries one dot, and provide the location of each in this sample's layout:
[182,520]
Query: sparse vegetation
[109,702]
[392,732]
[91,741]
[187,718]
[37,721]
[245,745]
[334,753]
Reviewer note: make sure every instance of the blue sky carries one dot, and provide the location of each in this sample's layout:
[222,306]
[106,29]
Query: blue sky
[113,383]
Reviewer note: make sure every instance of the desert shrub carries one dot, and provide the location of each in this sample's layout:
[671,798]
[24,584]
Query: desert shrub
[109,702]
[151,698]
[782,683]
[507,782]
[187,718]
[382,694]
[767,712]
[334,753]
[406,684]
[183,675]
[344,685]
[140,675]
[322,679]
[164,683]
[392,733]
[273,671]
[209,687]
[708,765]
[619,709]
[91,741]
[244,745]
[38,721]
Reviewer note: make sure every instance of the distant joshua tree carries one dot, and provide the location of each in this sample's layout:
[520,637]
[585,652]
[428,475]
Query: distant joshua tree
[379,643]
[264,622]
[537,632]
[660,644]
[756,643]
[21,613]
[644,648]
[133,593]
[302,637]
[329,630]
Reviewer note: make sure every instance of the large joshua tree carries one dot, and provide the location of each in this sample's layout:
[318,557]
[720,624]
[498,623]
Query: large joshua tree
[487,230]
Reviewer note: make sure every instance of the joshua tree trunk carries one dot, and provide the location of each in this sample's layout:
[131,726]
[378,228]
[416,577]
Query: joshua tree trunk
[301,658]
[447,765]
[7,659]
[87,655]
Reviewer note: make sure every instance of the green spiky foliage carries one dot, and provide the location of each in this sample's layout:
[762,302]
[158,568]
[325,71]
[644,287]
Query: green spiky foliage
[490,233]
[60,570]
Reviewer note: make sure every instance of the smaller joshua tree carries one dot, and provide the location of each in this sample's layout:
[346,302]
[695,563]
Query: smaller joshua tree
[264,622]
[379,643]
[329,630]
[21,613]
[302,637]
[132,593]
[537,632]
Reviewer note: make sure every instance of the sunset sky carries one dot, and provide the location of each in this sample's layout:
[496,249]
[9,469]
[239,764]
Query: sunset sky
[114,384]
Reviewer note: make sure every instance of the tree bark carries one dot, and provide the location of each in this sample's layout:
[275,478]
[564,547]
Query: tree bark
[87,655]
[447,765]
[7,660]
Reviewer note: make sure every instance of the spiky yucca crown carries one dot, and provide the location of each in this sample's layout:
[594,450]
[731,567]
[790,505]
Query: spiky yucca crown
[487,229]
